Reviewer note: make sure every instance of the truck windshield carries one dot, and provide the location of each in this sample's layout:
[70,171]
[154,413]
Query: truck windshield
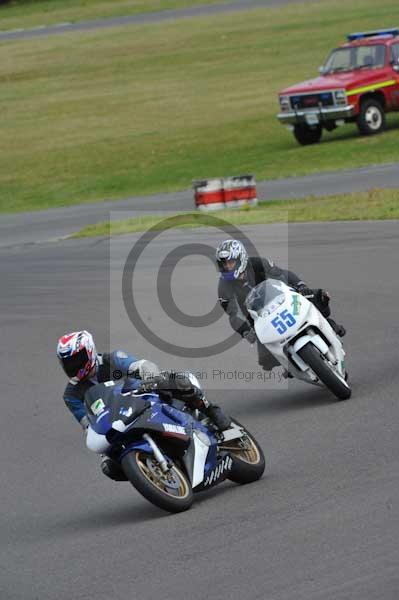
[355,57]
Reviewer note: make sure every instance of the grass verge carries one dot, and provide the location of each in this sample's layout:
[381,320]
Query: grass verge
[373,205]
[137,110]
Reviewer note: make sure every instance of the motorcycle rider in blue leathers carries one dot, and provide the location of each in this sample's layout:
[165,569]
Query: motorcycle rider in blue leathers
[85,367]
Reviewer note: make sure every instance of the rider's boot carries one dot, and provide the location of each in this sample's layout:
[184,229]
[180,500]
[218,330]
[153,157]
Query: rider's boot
[112,469]
[339,329]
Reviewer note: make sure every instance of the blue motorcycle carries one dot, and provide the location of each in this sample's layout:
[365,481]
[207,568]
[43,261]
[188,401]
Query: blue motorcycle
[166,451]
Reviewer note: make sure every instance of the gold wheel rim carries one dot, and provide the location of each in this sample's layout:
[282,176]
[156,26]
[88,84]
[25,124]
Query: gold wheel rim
[245,449]
[160,480]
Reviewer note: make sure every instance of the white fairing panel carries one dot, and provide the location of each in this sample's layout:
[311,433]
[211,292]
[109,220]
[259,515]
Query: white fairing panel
[95,442]
[314,339]
[274,328]
[285,317]
[234,432]
[201,452]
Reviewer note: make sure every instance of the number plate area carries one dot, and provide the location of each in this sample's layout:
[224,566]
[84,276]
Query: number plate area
[312,119]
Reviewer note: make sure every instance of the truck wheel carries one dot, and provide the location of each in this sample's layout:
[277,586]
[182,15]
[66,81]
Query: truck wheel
[305,135]
[371,119]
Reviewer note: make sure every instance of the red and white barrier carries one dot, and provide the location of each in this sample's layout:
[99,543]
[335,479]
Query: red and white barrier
[208,194]
[230,192]
[239,191]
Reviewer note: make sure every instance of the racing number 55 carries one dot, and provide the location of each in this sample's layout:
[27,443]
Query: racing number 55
[283,321]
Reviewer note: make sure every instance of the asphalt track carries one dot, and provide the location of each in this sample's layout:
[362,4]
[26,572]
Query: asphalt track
[322,524]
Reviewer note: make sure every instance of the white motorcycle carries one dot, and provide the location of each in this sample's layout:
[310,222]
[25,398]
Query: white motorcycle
[298,336]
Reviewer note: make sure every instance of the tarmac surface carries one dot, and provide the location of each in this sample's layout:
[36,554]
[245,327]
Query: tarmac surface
[323,522]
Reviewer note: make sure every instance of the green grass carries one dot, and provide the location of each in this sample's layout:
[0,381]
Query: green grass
[138,110]
[32,13]
[372,205]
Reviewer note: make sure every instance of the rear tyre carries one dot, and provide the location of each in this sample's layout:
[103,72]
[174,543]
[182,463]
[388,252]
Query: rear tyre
[171,491]
[317,362]
[371,119]
[305,135]
[248,458]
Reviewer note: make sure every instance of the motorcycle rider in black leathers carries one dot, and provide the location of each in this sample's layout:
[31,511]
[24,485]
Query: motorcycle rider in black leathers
[239,273]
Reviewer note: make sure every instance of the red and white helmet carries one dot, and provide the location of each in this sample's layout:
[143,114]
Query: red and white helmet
[77,354]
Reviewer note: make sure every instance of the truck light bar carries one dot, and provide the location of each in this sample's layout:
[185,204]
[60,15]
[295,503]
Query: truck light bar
[351,37]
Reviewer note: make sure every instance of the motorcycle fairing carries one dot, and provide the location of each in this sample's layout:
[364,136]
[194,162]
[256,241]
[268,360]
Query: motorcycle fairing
[134,414]
[287,323]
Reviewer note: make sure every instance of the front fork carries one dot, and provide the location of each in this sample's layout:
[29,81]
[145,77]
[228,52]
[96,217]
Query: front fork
[163,463]
[148,445]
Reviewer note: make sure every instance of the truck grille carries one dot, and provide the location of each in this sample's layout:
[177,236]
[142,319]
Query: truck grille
[312,100]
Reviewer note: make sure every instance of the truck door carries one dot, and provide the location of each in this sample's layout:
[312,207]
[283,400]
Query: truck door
[394,60]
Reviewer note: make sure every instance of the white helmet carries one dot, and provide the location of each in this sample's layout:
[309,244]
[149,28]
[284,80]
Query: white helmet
[232,259]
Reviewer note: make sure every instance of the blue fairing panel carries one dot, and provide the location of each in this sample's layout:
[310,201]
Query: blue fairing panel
[103,423]
[142,445]
[176,415]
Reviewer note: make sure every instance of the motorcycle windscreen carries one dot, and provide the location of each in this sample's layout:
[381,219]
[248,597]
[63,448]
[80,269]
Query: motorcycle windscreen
[97,399]
[266,296]
[105,397]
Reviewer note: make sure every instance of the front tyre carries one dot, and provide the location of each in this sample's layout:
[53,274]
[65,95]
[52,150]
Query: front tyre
[171,491]
[319,365]
[371,119]
[305,134]
[248,458]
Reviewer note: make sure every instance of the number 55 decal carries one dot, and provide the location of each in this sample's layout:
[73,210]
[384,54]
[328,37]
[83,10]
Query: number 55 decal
[283,321]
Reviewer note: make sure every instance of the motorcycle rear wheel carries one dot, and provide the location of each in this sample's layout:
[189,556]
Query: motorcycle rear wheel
[170,491]
[248,458]
[317,362]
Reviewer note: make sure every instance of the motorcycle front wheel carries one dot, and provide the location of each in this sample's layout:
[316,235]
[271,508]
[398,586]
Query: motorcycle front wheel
[324,371]
[170,491]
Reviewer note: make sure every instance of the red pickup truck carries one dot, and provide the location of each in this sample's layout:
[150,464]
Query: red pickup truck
[358,83]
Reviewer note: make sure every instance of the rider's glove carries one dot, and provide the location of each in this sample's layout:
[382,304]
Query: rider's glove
[176,385]
[250,336]
[84,423]
[305,291]
[157,383]
[148,386]
[325,296]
